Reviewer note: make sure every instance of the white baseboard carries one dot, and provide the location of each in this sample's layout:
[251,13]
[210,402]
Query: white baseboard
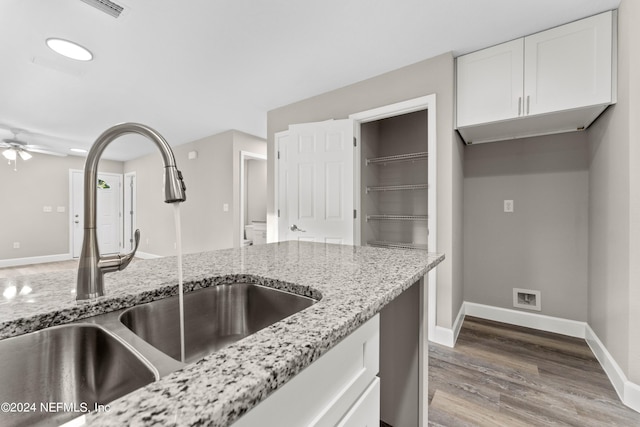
[457,325]
[445,336]
[632,395]
[14,262]
[442,336]
[144,255]
[541,322]
[628,391]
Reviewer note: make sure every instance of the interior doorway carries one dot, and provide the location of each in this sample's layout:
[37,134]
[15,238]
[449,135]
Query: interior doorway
[253,198]
[109,212]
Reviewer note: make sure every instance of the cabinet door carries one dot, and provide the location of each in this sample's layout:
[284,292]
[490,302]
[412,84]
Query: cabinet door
[569,66]
[489,84]
[338,383]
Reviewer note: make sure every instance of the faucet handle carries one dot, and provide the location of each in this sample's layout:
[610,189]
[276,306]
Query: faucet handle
[126,259]
[117,262]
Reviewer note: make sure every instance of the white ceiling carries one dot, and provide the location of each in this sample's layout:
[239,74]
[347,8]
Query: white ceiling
[199,67]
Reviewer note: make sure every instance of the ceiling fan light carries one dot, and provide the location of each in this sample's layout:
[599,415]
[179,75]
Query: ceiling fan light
[9,154]
[69,49]
[24,155]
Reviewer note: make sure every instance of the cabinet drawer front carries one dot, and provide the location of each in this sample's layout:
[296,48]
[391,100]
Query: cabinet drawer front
[569,66]
[322,393]
[489,84]
[366,411]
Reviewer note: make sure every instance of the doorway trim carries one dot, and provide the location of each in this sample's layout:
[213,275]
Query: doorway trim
[245,155]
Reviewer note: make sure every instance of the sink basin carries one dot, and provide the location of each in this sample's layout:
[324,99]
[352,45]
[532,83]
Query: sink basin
[64,371]
[215,317]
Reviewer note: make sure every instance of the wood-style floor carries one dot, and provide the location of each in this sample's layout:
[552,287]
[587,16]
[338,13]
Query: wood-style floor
[504,375]
[23,270]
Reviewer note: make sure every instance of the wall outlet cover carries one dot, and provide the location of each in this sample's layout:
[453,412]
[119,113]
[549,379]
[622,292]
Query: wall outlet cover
[508,206]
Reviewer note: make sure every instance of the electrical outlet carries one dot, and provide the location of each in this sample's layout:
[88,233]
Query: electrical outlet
[508,206]
[60,209]
[16,245]
[225,207]
[47,209]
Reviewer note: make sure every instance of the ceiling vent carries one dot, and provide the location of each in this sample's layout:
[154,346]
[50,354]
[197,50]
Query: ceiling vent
[106,6]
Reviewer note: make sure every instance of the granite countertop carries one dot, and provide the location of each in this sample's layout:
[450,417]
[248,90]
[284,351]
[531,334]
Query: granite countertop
[352,282]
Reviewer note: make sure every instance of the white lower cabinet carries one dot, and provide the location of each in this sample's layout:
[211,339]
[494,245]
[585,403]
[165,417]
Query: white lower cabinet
[366,411]
[339,389]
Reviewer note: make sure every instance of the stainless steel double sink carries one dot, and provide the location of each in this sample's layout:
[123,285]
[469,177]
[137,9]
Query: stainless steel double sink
[51,376]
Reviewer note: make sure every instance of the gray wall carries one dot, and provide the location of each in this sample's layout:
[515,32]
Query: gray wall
[212,179]
[543,244]
[40,181]
[433,75]
[204,224]
[614,207]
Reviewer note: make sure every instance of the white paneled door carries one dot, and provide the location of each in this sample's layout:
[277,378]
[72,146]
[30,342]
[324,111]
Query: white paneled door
[108,212]
[316,186]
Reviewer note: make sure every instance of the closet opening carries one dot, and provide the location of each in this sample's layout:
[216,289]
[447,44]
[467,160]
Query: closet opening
[394,174]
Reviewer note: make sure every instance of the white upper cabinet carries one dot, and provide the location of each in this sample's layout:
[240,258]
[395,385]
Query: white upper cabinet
[554,81]
[489,84]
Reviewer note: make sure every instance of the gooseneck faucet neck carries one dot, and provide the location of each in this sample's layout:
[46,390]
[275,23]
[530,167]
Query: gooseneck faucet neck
[92,266]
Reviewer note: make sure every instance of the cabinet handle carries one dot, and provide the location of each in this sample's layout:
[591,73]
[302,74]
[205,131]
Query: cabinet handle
[519,106]
[528,99]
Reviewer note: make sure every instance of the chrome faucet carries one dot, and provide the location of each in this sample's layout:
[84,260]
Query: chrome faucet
[92,266]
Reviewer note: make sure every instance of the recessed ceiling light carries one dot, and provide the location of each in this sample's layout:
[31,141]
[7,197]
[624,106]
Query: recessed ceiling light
[78,150]
[70,49]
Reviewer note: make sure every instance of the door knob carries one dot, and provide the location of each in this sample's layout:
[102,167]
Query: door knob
[295,228]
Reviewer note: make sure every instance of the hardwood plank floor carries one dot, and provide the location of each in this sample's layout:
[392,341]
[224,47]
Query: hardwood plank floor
[504,375]
[23,270]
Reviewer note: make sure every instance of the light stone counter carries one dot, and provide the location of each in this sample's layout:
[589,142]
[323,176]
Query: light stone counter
[353,284]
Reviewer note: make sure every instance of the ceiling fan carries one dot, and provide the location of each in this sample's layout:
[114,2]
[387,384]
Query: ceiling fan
[14,148]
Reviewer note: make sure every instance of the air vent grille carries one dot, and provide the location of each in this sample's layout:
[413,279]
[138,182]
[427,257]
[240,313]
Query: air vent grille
[106,6]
